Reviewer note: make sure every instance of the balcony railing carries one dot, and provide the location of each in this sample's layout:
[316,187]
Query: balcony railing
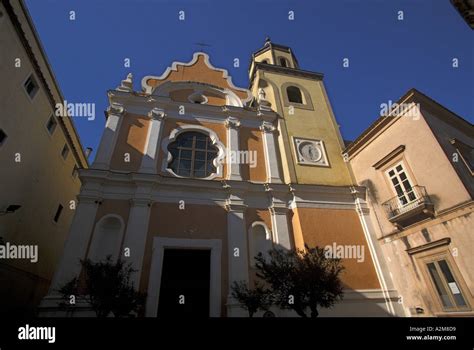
[409,206]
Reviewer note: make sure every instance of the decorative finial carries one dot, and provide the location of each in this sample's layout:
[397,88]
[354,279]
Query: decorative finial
[127,84]
[267,40]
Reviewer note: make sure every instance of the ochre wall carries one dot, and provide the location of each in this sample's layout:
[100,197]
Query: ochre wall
[251,140]
[133,134]
[322,227]
[131,139]
[252,215]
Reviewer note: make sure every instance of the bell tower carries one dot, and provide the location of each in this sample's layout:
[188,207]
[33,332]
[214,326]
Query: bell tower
[309,137]
[274,54]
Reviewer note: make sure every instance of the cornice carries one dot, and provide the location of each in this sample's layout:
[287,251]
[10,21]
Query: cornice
[278,196]
[284,70]
[142,105]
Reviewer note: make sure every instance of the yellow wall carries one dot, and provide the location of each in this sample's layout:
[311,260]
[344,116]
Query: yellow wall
[267,55]
[312,124]
[42,179]
[286,55]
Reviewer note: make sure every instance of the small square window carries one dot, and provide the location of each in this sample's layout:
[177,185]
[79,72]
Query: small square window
[3,137]
[51,125]
[74,171]
[58,213]
[31,86]
[65,152]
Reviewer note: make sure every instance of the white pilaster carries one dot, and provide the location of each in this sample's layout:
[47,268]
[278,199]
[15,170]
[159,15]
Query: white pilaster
[149,161]
[136,235]
[76,243]
[280,226]
[109,138]
[271,158]
[386,284]
[233,155]
[237,252]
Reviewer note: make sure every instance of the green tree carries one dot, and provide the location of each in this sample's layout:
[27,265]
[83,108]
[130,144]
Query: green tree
[107,287]
[252,300]
[301,279]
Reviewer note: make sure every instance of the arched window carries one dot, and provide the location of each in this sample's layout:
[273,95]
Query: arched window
[294,94]
[259,241]
[192,155]
[107,238]
[264,61]
[284,62]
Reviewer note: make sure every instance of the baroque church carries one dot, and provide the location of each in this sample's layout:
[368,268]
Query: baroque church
[194,176]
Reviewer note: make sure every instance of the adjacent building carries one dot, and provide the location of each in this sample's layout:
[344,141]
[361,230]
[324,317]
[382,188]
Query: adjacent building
[194,176]
[466,10]
[417,164]
[39,156]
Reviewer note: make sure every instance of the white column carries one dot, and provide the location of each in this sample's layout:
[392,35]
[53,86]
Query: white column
[149,161]
[109,137]
[136,235]
[237,253]
[271,159]
[76,243]
[280,227]
[233,155]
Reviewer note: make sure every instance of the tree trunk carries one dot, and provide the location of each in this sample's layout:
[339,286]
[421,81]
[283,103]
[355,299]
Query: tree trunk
[314,311]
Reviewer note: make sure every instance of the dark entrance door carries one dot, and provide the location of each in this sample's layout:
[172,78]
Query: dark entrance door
[185,281]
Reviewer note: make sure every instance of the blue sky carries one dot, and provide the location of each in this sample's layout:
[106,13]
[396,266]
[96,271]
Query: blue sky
[386,56]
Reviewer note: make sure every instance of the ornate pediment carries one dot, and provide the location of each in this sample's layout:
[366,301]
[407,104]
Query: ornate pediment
[198,70]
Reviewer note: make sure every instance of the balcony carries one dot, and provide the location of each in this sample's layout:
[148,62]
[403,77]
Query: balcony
[409,207]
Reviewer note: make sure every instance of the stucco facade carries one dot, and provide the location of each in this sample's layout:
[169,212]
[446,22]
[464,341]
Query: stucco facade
[435,224]
[34,174]
[136,199]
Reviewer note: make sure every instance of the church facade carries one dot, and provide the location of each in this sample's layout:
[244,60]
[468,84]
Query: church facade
[194,176]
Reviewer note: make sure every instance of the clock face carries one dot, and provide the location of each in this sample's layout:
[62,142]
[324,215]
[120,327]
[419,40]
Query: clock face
[310,152]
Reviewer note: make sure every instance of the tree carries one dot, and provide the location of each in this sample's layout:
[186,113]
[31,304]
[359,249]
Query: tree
[301,279]
[107,287]
[252,300]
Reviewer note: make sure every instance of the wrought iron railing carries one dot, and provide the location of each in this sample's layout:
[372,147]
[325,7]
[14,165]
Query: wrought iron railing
[407,201]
